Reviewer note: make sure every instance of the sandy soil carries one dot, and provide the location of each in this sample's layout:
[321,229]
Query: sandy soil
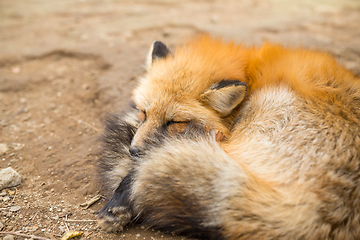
[65,64]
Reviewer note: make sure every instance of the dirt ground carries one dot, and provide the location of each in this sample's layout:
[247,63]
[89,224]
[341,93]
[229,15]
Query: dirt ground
[64,65]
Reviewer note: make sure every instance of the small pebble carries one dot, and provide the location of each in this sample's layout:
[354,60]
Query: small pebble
[6,198]
[33,229]
[9,178]
[17,146]
[3,148]
[16,69]
[15,208]
[8,237]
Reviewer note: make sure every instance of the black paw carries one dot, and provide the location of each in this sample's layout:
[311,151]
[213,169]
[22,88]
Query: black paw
[114,219]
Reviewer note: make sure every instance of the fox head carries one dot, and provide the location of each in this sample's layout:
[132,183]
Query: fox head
[202,83]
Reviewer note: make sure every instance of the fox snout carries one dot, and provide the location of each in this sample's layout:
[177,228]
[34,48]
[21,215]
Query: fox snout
[137,144]
[145,136]
[134,151]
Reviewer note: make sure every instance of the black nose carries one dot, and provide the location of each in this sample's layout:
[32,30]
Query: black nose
[134,151]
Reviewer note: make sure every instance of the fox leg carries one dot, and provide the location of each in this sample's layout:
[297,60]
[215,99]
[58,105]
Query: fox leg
[118,211]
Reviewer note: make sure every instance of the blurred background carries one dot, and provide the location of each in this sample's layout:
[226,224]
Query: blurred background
[65,64]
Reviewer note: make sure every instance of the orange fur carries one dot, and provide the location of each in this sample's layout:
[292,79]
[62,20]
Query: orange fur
[311,74]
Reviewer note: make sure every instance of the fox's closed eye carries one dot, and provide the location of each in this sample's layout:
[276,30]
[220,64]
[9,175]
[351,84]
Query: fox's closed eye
[141,116]
[176,126]
[168,123]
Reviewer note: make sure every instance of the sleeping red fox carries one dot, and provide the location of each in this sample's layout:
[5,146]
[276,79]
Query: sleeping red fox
[237,143]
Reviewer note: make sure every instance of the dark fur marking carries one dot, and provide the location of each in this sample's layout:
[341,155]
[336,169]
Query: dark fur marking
[117,134]
[157,138]
[177,213]
[159,50]
[228,83]
[185,220]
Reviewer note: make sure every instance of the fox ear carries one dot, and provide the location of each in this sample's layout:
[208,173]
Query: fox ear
[224,96]
[158,50]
